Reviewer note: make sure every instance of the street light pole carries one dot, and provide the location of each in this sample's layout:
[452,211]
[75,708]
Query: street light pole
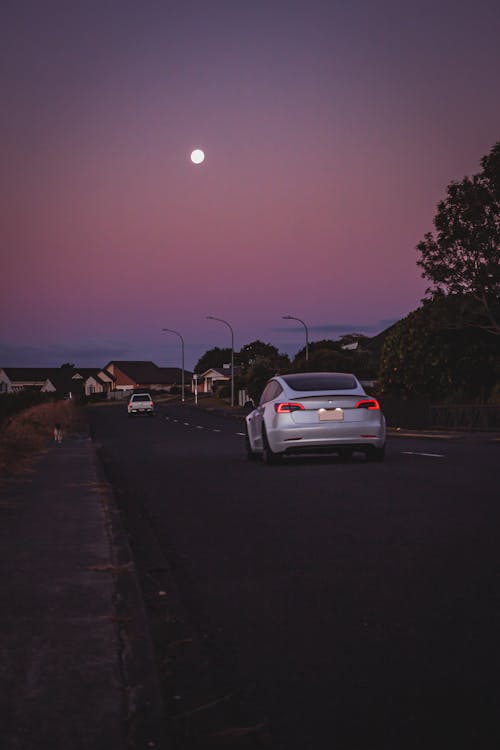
[169,330]
[292,317]
[221,320]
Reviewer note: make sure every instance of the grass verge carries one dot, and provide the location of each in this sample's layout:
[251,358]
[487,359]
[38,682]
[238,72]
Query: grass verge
[28,433]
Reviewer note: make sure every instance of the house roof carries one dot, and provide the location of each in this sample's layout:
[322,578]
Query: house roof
[28,374]
[92,372]
[107,373]
[222,372]
[60,377]
[148,372]
[174,374]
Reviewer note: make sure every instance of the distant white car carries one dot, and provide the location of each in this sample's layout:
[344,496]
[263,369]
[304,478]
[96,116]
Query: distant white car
[140,403]
[315,412]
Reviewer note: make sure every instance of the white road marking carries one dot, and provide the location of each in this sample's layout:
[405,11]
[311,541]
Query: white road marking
[429,455]
[215,430]
[241,434]
[199,427]
[186,424]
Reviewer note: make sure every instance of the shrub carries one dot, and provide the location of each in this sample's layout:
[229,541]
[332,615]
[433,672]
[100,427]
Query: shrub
[13,403]
[28,432]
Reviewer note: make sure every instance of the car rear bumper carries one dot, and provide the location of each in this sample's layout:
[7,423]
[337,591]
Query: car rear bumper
[314,439]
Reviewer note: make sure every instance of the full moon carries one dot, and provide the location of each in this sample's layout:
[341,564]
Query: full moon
[197,156]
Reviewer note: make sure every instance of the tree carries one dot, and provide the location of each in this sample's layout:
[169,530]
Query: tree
[426,354]
[463,258]
[259,362]
[249,353]
[325,346]
[329,356]
[215,357]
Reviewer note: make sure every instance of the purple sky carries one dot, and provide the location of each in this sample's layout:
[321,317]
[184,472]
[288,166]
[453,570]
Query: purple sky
[331,130]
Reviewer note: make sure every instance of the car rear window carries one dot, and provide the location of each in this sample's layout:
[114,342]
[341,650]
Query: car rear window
[320,381]
[141,397]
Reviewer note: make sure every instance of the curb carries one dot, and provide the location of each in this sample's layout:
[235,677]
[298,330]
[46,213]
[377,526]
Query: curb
[146,716]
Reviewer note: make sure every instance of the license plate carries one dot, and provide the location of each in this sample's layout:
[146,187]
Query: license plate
[331,415]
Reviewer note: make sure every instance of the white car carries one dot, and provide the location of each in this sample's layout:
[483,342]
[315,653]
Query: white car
[315,412]
[140,403]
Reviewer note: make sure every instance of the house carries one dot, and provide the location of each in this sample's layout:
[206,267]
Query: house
[93,380]
[14,379]
[214,378]
[61,381]
[135,375]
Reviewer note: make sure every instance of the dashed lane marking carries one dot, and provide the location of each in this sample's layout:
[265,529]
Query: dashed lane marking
[428,455]
[199,426]
[240,434]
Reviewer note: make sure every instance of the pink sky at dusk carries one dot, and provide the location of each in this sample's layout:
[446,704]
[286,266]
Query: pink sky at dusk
[330,130]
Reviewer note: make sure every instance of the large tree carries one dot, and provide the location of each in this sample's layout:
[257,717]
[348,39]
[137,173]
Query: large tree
[215,357]
[463,256]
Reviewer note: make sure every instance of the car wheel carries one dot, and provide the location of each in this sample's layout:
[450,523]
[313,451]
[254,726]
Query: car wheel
[250,454]
[268,456]
[376,454]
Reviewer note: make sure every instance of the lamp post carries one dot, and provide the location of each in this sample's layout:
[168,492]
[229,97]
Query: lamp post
[211,317]
[292,317]
[169,330]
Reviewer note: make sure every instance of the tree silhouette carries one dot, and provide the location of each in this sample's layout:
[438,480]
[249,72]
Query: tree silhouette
[463,257]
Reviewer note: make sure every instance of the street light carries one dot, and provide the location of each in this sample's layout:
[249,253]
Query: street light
[169,330]
[292,317]
[211,317]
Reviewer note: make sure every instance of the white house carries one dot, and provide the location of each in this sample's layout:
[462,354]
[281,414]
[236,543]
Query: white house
[13,379]
[211,379]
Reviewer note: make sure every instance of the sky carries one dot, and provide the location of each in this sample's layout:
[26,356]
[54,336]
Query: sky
[330,129]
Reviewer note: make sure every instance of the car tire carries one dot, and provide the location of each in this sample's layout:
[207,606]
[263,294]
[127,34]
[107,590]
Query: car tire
[376,454]
[268,456]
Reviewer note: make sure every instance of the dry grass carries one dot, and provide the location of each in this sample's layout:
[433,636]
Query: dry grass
[28,433]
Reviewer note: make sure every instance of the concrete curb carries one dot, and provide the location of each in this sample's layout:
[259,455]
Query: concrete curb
[146,712]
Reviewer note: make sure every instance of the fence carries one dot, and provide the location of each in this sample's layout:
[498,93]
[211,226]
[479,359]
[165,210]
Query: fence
[421,414]
[466,416]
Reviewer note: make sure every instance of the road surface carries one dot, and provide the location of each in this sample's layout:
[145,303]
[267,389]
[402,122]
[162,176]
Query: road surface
[344,605]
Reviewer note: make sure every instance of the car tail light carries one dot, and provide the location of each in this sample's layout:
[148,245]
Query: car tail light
[368,403]
[287,407]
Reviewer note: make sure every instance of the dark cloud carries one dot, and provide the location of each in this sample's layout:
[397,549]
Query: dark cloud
[53,355]
[368,329]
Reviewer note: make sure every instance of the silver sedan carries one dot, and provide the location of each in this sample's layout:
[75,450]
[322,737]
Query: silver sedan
[315,412]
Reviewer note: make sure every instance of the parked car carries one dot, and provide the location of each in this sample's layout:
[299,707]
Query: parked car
[140,403]
[315,412]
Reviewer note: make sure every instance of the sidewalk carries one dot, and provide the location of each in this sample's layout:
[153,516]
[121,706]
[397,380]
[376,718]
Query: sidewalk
[76,664]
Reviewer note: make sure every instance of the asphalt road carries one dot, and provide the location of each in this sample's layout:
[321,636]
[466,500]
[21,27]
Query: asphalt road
[348,605]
